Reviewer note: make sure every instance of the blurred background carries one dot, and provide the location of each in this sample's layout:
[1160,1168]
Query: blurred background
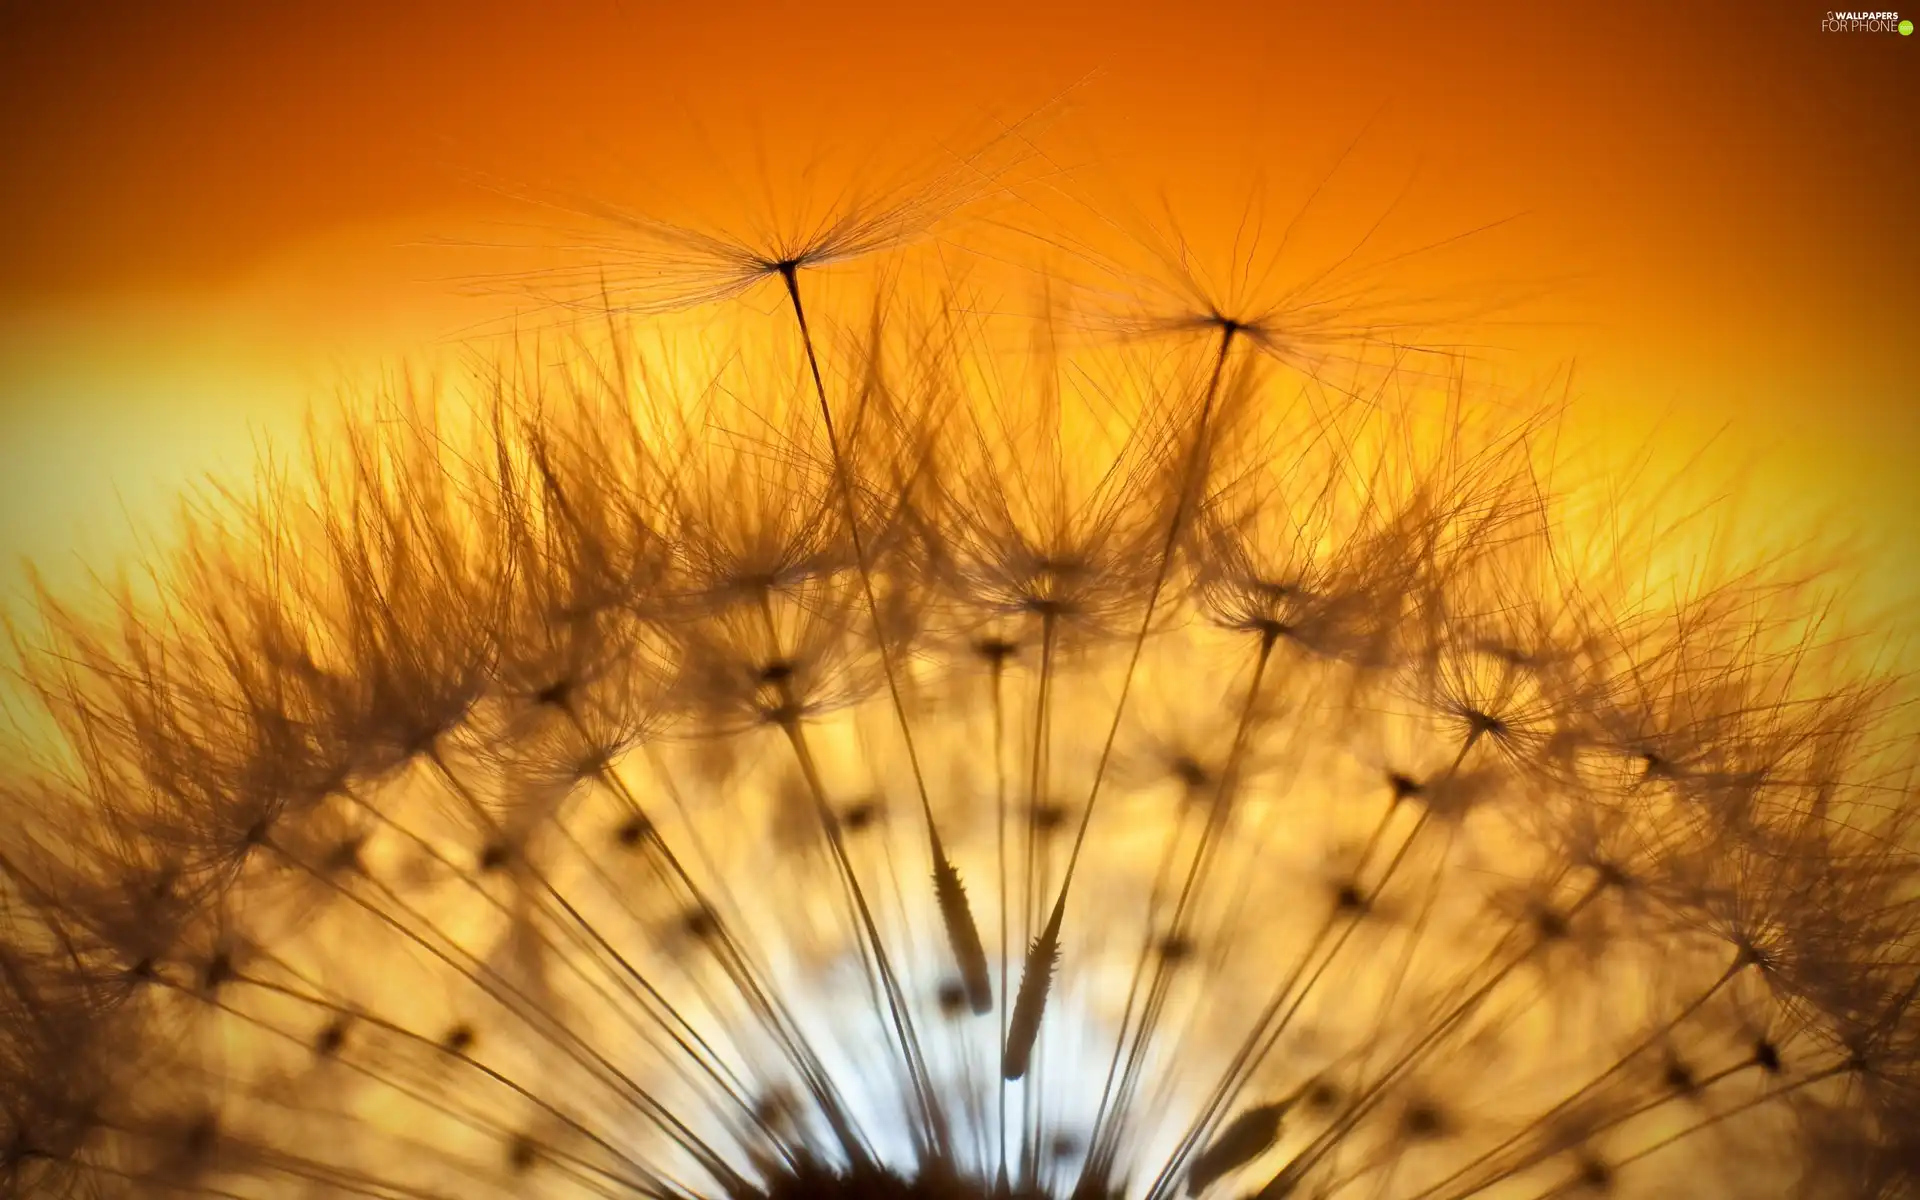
[1697,219]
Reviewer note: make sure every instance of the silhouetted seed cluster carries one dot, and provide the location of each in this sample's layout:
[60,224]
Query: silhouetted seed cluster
[888,765]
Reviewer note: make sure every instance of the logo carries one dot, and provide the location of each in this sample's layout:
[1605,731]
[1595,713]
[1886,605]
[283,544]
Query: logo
[1866,22]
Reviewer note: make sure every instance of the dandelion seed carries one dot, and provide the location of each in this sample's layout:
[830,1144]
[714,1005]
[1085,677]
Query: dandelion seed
[1245,1138]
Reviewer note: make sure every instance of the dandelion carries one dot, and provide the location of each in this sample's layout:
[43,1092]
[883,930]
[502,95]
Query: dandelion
[888,764]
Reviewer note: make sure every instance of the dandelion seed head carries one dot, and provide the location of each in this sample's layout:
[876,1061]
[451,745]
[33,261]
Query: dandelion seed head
[879,763]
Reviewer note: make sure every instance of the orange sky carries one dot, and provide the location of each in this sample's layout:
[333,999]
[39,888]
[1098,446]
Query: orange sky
[210,207]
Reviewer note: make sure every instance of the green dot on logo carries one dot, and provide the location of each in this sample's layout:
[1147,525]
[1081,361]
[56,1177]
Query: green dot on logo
[1906,29]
